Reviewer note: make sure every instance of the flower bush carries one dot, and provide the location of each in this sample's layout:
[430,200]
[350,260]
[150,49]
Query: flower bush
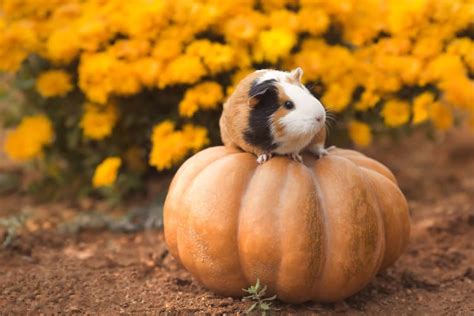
[143,81]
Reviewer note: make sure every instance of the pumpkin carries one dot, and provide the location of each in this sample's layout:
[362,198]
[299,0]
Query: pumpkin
[318,230]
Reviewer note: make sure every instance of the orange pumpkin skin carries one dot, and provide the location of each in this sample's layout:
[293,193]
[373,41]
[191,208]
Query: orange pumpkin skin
[318,230]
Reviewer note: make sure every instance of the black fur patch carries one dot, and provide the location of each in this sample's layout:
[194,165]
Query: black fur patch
[258,132]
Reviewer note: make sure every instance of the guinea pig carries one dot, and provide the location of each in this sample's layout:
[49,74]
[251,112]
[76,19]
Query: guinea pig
[272,112]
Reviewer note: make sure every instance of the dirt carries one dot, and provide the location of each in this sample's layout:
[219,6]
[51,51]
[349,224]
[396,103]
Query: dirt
[48,270]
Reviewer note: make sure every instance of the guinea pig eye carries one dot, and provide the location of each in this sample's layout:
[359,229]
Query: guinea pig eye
[289,105]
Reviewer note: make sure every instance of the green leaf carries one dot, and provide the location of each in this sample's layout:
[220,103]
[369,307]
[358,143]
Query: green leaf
[251,308]
[257,285]
[271,298]
[264,306]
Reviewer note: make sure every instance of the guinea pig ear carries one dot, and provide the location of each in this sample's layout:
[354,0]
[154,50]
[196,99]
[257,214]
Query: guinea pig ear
[297,73]
[258,90]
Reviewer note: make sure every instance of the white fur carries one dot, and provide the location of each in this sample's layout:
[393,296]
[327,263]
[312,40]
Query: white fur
[272,74]
[300,124]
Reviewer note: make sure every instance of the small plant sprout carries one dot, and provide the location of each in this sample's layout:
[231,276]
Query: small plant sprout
[257,295]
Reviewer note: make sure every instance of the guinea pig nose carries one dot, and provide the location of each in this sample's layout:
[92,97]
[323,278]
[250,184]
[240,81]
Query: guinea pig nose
[319,118]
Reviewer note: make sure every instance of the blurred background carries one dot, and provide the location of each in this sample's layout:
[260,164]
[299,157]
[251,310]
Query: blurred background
[102,100]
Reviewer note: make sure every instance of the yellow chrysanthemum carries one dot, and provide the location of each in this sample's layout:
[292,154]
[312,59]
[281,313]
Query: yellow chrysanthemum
[185,69]
[95,76]
[215,56]
[244,28]
[421,106]
[106,172]
[360,133]
[170,146]
[367,100]
[441,116]
[459,91]
[98,120]
[463,47]
[338,95]
[28,139]
[62,46]
[16,41]
[53,83]
[396,113]
[313,20]
[274,44]
[205,96]
[386,46]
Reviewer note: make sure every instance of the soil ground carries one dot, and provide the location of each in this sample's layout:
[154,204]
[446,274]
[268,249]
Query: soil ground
[48,270]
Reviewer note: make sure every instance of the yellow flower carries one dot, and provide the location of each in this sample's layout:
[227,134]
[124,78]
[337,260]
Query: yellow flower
[404,14]
[421,106]
[284,19]
[185,69]
[130,49]
[459,91]
[444,66]
[274,44]
[53,83]
[441,116]
[17,40]
[205,95]
[19,146]
[360,133]
[396,113]
[427,46]
[465,48]
[367,100]
[28,139]
[98,120]
[170,146]
[147,71]
[195,137]
[313,20]
[95,76]
[106,172]
[220,58]
[62,45]
[244,28]
[167,49]
[217,57]
[124,79]
[338,95]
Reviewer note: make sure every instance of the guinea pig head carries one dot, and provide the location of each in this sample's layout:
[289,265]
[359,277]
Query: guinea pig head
[281,102]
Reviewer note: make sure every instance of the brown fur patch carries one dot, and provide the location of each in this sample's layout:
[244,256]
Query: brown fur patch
[235,115]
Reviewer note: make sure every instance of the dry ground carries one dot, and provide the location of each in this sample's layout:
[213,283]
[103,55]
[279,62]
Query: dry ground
[46,270]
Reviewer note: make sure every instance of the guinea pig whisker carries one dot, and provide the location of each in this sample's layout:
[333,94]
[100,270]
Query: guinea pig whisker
[328,131]
[329,112]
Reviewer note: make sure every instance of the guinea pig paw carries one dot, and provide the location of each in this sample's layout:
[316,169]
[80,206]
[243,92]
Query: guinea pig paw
[263,157]
[296,157]
[321,153]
